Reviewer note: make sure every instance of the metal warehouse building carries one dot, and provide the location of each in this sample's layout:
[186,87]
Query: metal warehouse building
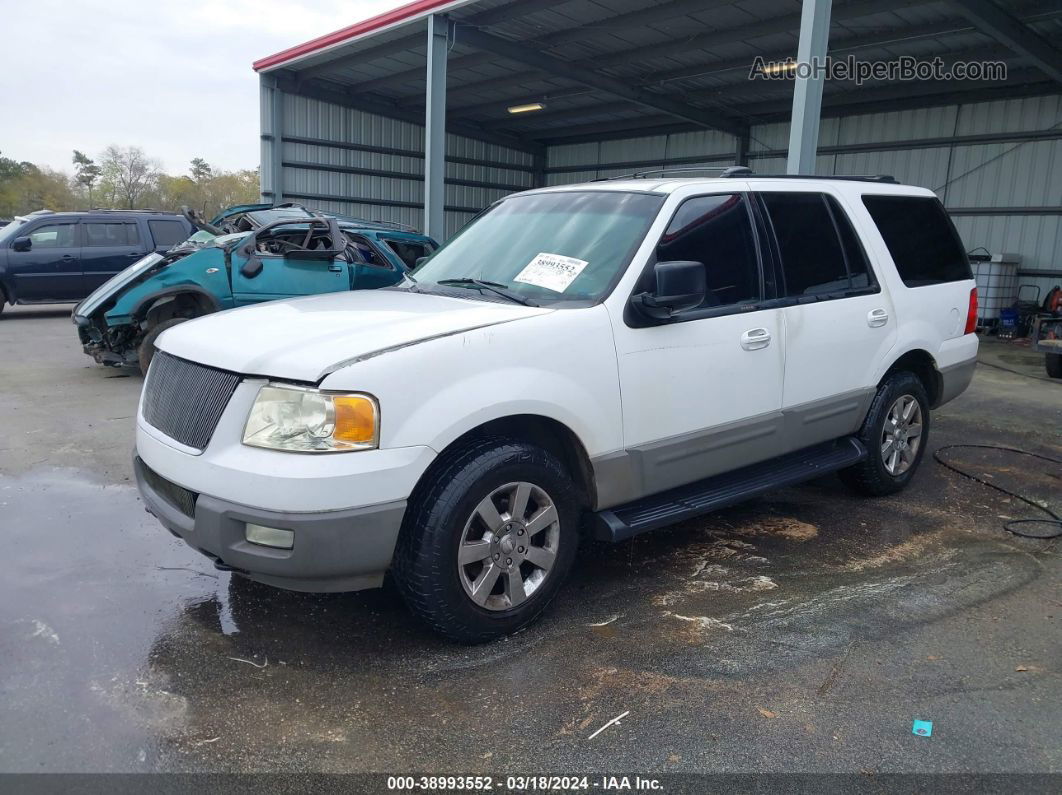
[408,116]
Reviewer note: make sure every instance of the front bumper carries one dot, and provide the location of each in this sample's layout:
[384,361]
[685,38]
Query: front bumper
[343,550]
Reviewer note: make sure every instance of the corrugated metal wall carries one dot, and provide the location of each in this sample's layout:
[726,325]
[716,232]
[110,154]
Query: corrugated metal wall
[320,170]
[1005,194]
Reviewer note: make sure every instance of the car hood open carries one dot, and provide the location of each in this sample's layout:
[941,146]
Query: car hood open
[305,339]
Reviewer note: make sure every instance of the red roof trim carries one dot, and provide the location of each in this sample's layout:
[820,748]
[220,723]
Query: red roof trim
[383,20]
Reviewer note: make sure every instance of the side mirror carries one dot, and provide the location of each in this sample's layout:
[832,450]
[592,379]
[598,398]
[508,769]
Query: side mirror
[680,286]
[251,268]
[419,261]
[22,244]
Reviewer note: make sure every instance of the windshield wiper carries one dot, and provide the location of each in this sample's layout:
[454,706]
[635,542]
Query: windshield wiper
[494,287]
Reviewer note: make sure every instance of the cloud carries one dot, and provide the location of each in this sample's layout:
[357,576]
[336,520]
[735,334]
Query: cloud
[171,77]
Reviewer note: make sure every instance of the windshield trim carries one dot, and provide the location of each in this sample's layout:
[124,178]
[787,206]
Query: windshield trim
[545,302]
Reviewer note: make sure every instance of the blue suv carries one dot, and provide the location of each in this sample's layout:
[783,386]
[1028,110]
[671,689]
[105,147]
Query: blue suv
[48,257]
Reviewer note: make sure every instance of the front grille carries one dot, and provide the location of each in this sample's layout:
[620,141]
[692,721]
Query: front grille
[180,498]
[185,400]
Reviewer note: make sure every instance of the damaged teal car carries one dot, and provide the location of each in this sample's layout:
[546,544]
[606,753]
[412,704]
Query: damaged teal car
[246,255]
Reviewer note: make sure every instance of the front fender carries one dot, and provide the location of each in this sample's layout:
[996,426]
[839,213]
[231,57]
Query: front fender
[185,275]
[561,366]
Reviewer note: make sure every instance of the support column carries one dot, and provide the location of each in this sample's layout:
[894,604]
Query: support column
[741,153]
[273,149]
[435,129]
[807,90]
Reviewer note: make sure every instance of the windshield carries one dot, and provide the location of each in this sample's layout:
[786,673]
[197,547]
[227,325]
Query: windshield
[548,247]
[9,229]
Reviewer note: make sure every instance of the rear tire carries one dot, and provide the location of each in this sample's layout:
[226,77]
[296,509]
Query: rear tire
[895,433]
[146,352]
[1053,362]
[488,539]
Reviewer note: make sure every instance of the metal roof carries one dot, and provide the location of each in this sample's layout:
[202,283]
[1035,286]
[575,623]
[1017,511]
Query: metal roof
[621,68]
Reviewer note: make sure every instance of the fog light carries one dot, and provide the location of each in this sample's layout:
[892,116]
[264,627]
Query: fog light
[270,536]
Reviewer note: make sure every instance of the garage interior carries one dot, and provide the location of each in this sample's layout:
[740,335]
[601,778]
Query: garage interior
[628,85]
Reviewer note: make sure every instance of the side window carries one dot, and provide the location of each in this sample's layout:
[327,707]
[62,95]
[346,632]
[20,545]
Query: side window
[859,271]
[716,230]
[813,260]
[167,233]
[367,254]
[921,239]
[132,235]
[109,234]
[409,251]
[53,236]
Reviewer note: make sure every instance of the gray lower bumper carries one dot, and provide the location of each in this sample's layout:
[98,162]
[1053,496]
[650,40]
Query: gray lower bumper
[955,379]
[333,551]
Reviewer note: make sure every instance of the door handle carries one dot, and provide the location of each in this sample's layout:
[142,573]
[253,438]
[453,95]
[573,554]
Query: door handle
[335,268]
[755,338]
[877,318]
[134,254]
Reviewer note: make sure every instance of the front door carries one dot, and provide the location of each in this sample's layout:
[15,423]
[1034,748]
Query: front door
[108,247]
[839,323]
[50,269]
[702,394]
[287,277]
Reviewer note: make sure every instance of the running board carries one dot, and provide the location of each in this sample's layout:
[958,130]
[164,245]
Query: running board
[729,488]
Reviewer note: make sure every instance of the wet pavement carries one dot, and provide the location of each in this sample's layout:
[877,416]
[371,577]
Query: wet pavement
[802,632]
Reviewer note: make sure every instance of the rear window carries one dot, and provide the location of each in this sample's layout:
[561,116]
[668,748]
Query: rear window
[167,233]
[921,239]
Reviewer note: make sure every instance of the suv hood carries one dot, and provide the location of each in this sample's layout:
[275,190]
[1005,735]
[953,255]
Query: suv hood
[305,339]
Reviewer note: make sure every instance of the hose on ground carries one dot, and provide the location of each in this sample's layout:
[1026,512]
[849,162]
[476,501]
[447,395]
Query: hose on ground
[1055,520]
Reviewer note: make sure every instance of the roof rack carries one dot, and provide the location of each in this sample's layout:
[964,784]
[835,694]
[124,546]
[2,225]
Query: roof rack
[724,171]
[743,172]
[119,210]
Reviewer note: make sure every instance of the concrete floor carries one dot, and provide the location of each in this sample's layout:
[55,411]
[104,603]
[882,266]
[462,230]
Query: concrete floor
[802,632]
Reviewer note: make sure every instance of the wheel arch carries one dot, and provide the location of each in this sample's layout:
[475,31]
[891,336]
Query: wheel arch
[172,302]
[546,432]
[920,362]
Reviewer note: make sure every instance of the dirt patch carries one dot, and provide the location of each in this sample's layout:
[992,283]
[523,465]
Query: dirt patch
[780,527]
[900,553]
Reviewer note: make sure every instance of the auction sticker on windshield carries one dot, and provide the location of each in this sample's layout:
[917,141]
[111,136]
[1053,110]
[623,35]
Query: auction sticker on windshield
[551,271]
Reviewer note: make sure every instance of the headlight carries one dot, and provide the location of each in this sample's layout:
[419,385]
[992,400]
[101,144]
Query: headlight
[311,421]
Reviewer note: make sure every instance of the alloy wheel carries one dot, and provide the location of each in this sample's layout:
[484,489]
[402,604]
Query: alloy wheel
[902,435]
[508,546]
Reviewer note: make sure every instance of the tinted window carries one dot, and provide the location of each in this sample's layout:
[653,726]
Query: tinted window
[813,260]
[408,251]
[855,256]
[167,233]
[921,239]
[53,236]
[717,231]
[110,234]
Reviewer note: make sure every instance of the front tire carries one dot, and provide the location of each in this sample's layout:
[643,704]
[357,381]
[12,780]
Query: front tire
[895,433]
[146,352]
[488,539]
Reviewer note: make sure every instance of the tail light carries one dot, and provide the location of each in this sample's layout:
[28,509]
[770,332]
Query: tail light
[971,313]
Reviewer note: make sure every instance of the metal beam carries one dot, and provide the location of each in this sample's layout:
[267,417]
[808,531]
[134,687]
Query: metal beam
[276,151]
[807,90]
[1006,29]
[503,13]
[435,128]
[659,12]
[530,56]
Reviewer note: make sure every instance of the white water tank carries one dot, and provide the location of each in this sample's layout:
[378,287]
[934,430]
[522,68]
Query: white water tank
[997,284]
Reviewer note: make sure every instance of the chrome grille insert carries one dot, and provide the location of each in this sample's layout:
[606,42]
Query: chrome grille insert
[185,400]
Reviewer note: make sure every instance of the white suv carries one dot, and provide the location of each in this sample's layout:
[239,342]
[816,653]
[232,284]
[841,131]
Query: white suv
[605,358]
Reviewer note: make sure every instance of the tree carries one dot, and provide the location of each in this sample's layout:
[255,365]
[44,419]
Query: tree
[86,172]
[127,174]
[201,170]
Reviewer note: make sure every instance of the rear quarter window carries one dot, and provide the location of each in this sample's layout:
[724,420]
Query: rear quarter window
[921,239]
[167,233]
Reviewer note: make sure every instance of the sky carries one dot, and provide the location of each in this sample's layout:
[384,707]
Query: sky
[173,77]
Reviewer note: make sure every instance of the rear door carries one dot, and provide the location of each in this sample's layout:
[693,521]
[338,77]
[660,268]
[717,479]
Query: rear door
[108,247]
[839,321]
[51,269]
